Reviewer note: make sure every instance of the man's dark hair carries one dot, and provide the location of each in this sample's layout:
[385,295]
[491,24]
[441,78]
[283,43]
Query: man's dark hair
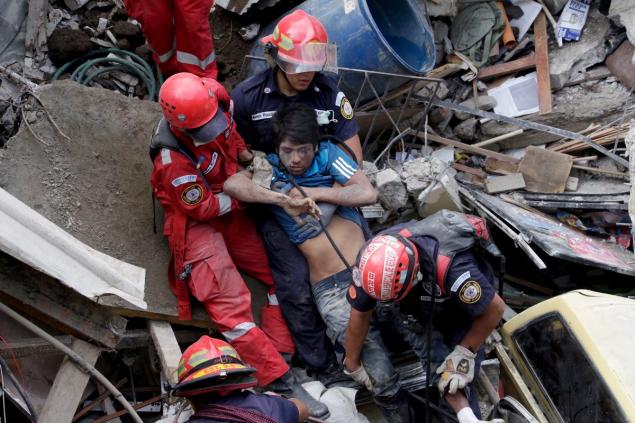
[297,123]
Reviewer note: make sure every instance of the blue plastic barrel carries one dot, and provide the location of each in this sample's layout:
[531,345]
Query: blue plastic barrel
[379,35]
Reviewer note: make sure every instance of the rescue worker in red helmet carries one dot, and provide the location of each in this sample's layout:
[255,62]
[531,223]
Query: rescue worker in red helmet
[179,33]
[299,51]
[214,378]
[431,269]
[194,150]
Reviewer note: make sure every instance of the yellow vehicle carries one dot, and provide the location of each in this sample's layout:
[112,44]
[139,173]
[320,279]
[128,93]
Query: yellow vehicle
[574,358]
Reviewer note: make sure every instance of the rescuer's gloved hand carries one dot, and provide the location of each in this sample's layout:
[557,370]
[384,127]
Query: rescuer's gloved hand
[360,376]
[457,370]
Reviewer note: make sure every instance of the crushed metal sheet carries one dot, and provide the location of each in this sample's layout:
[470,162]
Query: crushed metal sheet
[31,238]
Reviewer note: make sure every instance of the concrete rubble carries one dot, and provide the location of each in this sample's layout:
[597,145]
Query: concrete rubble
[554,186]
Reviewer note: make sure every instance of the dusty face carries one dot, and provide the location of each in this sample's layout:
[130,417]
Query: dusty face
[300,81]
[296,157]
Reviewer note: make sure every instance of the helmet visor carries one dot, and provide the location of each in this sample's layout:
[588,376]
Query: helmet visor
[312,57]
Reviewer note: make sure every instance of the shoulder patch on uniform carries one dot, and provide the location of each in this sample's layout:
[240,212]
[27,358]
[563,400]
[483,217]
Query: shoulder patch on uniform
[185,179]
[457,283]
[166,156]
[192,195]
[346,109]
[470,292]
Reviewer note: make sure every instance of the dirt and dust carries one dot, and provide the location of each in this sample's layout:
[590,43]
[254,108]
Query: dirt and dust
[96,186]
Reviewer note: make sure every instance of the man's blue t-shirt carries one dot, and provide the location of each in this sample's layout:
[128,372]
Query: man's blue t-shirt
[329,165]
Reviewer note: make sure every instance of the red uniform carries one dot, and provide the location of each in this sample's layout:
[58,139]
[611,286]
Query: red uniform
[179,33]
[207,231]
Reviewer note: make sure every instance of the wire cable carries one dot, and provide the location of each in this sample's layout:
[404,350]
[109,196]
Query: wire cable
[79,361]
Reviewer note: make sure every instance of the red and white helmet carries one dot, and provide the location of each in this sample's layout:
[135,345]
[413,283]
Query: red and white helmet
[191,103]
[388,267]
[299,43]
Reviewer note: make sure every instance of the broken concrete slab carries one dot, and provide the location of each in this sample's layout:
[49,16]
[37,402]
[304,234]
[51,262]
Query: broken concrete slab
[622,12]
[392,193]
[485,102]
[510,182]
[417,174]
[576,57]
[442,194]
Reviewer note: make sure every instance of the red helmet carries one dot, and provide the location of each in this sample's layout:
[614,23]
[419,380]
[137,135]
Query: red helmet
[388,267]
[299,43]
[211,364]
[187,100]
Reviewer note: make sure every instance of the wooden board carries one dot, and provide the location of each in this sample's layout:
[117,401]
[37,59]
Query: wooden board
[168,349]
[544,170]
[467,147]
[68,386]
[510,182]
[542,64]
[47,301]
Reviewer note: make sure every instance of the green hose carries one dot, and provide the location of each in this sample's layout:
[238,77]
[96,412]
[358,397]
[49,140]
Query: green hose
[135,66]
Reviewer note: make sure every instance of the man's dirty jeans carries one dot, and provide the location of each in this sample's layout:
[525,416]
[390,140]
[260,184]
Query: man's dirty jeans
[330,297]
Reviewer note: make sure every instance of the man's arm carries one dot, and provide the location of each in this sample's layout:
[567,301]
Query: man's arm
[356,332]
[484,324]
[241,187]
[357,192]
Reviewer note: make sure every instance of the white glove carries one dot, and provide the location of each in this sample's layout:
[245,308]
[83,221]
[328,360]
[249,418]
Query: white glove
[360,376]
[457,370]
[466,415]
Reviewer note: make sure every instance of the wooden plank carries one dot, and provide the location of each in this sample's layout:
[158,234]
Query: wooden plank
[498,167]
[499,138]
[542,64]
[545,170]
[36,24]
[505,183]
[471,170]
[525,62]
[602,171]
[56,305]
[167,348]
[467,147]
[69,384]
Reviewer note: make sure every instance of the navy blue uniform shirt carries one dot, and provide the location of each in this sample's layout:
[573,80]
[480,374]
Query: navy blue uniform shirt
[468,288]
[280,409]
[258,98]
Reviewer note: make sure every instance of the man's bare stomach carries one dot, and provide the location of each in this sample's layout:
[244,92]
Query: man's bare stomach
[321,256]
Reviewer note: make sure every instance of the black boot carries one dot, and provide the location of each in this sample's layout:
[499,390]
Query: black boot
[288,386]
[333,376]
[395,409]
